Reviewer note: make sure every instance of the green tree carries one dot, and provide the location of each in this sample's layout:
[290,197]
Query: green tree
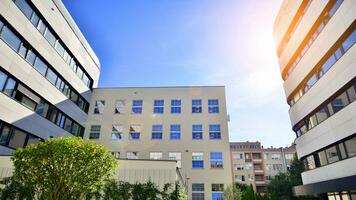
[233,192]
[63,168]
[281,186]
[249,193]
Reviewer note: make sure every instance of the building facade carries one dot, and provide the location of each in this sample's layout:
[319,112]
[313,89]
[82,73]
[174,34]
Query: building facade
[187,124]
[254,165]
[47,72]
[316,54]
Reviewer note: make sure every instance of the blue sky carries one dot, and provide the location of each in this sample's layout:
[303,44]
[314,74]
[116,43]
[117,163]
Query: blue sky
[194,42]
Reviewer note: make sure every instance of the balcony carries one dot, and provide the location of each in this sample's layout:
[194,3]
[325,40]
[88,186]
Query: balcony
[260,182]
[259,171]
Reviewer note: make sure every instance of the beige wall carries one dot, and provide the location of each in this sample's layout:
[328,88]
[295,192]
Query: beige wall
[185,145]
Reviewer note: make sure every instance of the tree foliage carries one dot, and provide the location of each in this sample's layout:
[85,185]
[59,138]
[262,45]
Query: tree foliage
[62,168]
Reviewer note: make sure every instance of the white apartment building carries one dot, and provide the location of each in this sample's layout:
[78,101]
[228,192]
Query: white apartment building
[187,124]
[315,46]
[47,72]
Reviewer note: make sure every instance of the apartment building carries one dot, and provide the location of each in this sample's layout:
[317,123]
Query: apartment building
[254,165]
[315,46]
[47,72]
[186,124]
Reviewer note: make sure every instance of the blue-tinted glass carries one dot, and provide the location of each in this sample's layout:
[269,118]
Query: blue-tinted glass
[215,155]
[196,102]
[215,135]
[197,127]
[349,41]
[137,103]
[24,7]
[158,102]
[158,110]
[3,78]
[35,19]
[197,135]
[137,110]
[10,87]
[214,127]
[175,127]
[156,135]
[135,136]
[10,38]
[213,102]
[30,58]
[175,102]
[40,66]
[312,81]
[217,196]
[175,109]
[328,63]
[1,25]
[157,127]
[197,164]
[335,7]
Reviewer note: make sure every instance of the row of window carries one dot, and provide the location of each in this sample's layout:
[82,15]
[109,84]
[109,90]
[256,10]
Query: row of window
[48,33]
[27,97]
[331,57]
[315,31]
[239,146]
[250,166]
[216,158]
[13,137]
[291,29]
[338,101]
[22,47]
[341,150]
[158,106]
[266,156]
[344,195]
[157,132]
[216,188]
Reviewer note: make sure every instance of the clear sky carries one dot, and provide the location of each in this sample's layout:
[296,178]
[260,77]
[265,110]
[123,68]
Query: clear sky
[194,42]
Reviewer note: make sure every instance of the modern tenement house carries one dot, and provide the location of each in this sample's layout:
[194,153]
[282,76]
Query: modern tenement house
[187,124]
[254,165]
[315,46]
[47,72]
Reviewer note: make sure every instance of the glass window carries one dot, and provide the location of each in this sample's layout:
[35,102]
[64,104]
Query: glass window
[158,106]
[117,132]
[176,106]
[24,7]
[17,139]
[1,25]
[31,57]
[157,132]
[156,155]
[349,41]
[75,129]
[135,131]
[35,19]
[331,154]
[94,132]
[214,131]
[131,155]
[312,80]
[41,27]
[175,132]
[10,38]
[74,97]
[311,162]
[60,49]
[351,147]
[10,87]
[4,135]
[51,76]
[68,125]
[50,37]
[22,51]
[99,107]
[342,150]
[312,121]
[120,106]
[3,78]
[217,187]
[213,105]
[197,196]
[33,140]
[196,106]
[275,156]
[239,178]
[322,115]
[116,154]
[322,158]
[40,66]
[197,131]
[326,66]
[351,92]
[137,106]
[80,72]
[176,156]
[86,80]
[197,160]
[340,102]
[60,119]
[216,160]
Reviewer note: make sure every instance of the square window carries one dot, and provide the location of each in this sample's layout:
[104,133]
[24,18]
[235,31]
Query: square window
[137,106]
[176,106]
[198,187]
[332,154]
[99,107]
[217,187]
[175,132]
[10,38]
[197,106]
[117,132]
[156,155]
[213,106]
[216,160]
[158,106]
[197,132]
[135,131]
[120,106]
[214,131]
[94,132]
[132,155]
[176,156]
[157,132]
[197,160]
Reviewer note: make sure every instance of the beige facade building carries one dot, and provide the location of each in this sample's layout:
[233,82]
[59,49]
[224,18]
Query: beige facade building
[187,124]
[254,165]
[317,57]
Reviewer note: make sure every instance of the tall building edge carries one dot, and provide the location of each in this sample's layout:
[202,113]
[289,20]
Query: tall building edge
[314,41]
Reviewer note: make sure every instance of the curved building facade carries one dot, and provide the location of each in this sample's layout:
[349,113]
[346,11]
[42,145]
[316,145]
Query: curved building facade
[317,61]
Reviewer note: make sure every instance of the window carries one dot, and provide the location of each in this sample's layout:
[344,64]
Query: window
[249,166]
[197,106]
[137,106]
[214,131]
[51,77]
[176,106]
[117,132]
[22,51]
[24,7]
[238,156]
[158,106]
[351,147]
[94,132]
[213,105]
[157,132]
[99,107]
[216,160]
[176,156]
[156,155]
[116,154]
[32,140]
[197,191]
[268,167]
[322,114]
[132,155]
[340,102]
[351,92]
[266,156]
[197,160]
[311,162]
[135,131]
[239,167]
[120,106]
[10,87]
[40,66]
[275,156]
[197,131]
[10,38]
[60,49]
[17,139]
[217,191]
[331,155]
[239,178]
[289,156]
[175,132]
[50,37]
[30,57]
[3,78]
[322,158]
[277,167]
[4,135]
